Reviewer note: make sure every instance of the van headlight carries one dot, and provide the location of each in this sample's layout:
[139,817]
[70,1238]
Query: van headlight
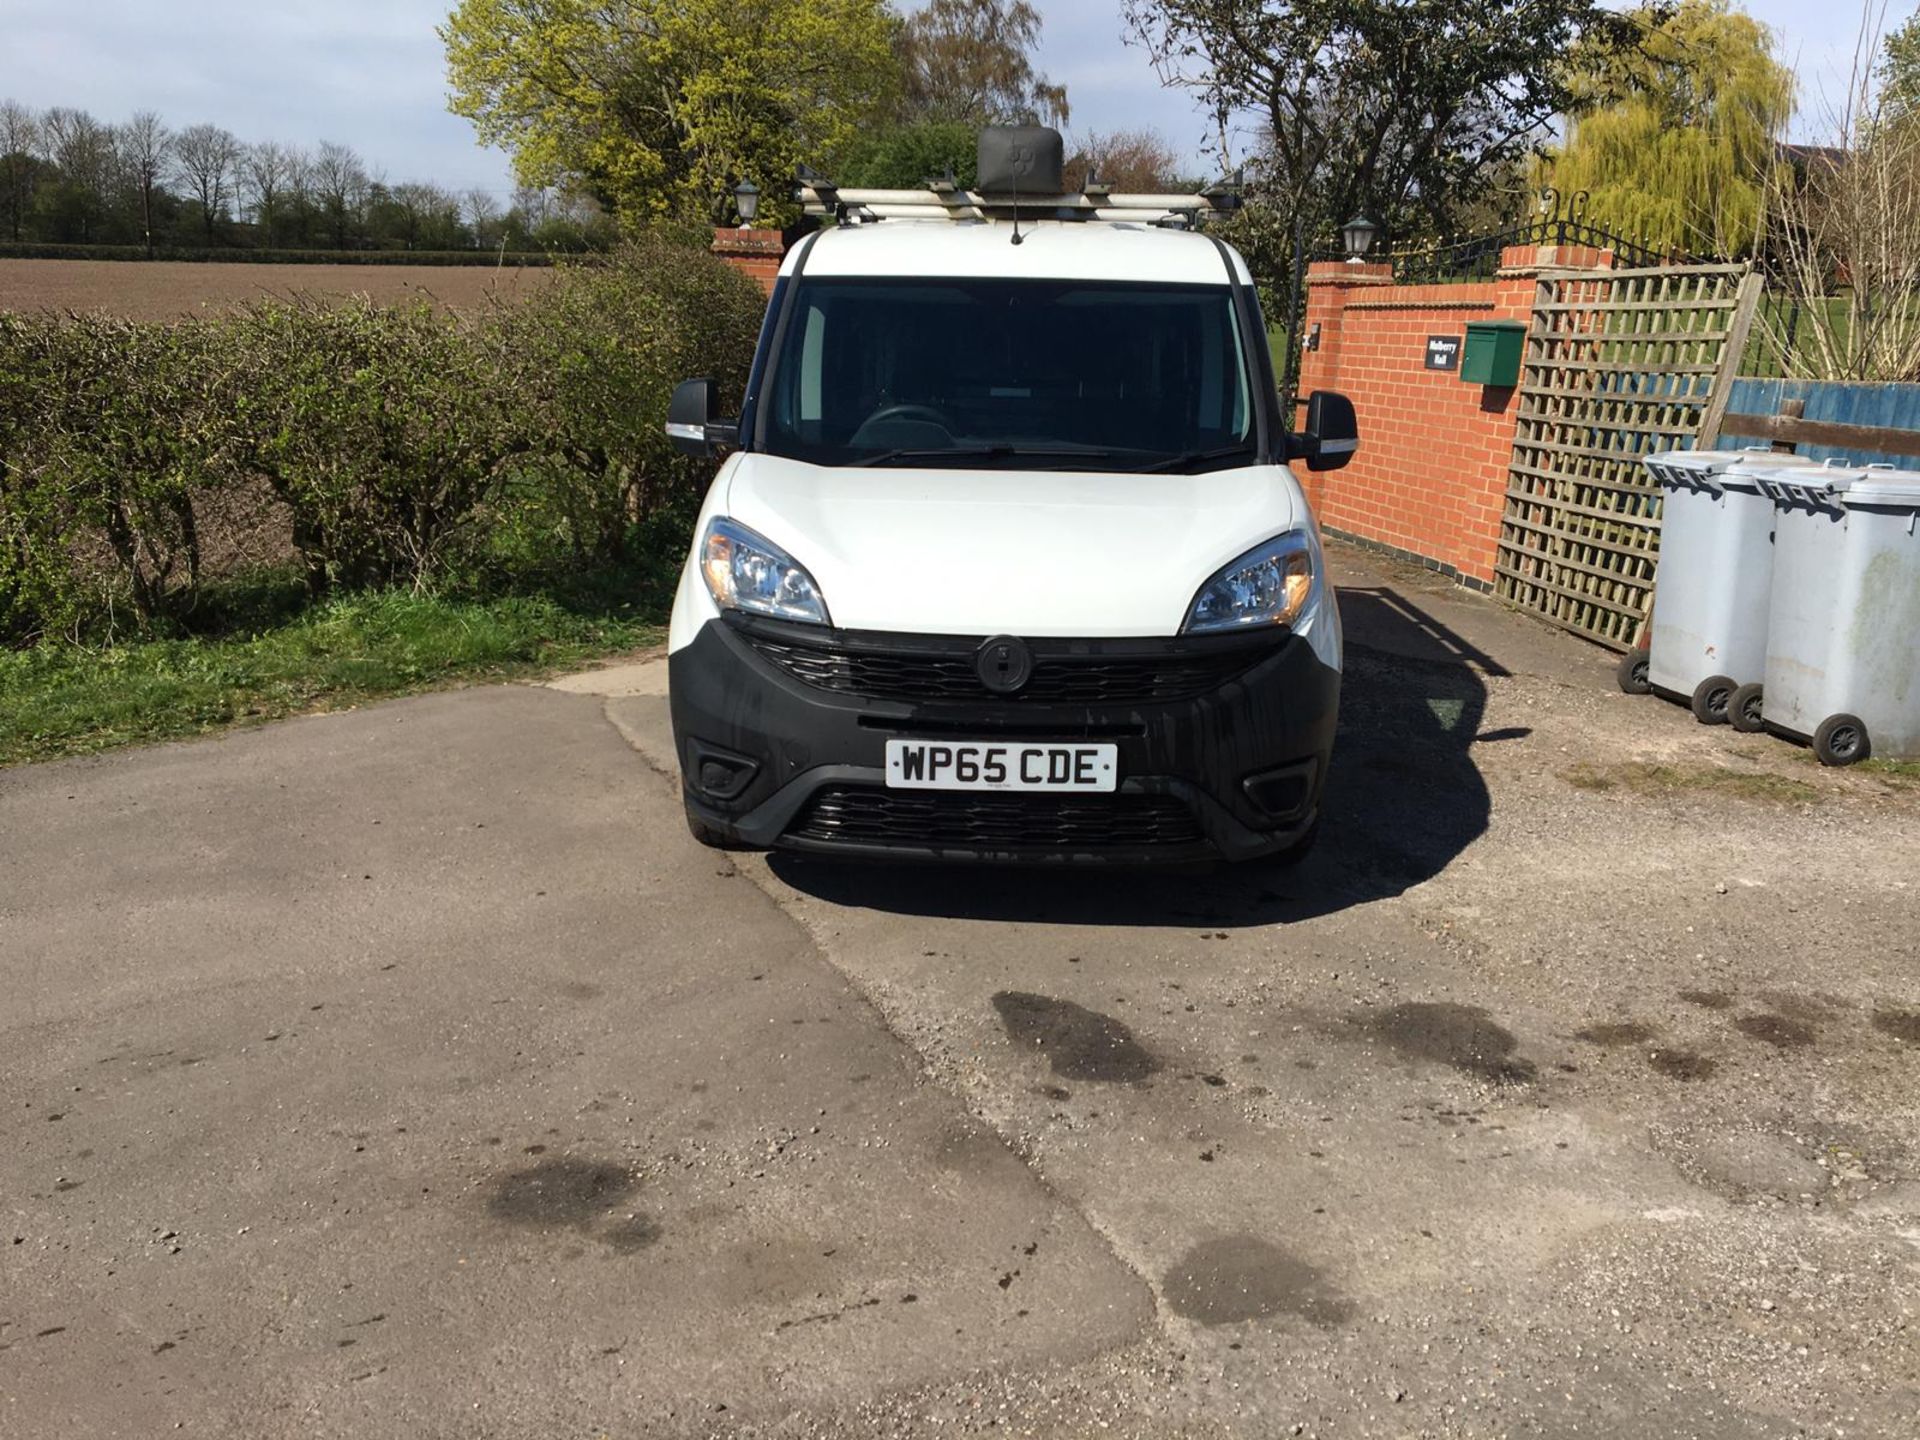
[1271,585]
[745,571]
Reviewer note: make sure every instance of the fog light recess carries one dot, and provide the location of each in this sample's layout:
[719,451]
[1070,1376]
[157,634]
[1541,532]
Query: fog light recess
[1284,793]
[719,774]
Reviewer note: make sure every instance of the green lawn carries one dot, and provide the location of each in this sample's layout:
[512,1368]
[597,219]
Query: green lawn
[69,700]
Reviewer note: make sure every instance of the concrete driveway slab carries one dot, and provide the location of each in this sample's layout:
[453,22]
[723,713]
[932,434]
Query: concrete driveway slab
[407,1072]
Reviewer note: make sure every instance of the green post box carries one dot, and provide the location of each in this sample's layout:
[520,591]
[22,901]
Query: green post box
[1492,353]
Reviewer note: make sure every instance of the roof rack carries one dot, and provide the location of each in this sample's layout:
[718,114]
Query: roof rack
[944,200]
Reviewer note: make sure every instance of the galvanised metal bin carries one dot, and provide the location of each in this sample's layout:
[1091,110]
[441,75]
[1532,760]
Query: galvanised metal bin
[1843,629]
[1709,631]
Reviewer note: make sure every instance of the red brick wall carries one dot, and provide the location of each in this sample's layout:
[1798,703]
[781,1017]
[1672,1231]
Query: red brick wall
[1431,475]
[756,253]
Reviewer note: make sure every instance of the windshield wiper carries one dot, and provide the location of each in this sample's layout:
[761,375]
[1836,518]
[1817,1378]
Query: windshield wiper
[986,452]
[1196,457]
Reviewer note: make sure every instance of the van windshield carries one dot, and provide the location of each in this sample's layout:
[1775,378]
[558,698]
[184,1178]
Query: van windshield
[1021,374]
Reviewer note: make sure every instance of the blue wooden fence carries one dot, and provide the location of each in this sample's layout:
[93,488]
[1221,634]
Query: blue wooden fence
[1843,402]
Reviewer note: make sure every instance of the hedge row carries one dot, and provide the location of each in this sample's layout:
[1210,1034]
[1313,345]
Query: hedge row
[378,445]
[11,250]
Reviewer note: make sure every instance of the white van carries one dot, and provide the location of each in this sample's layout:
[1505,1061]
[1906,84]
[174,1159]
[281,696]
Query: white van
[1005,561]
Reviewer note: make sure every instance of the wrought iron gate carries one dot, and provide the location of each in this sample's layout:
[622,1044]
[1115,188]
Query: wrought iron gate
[1619,364]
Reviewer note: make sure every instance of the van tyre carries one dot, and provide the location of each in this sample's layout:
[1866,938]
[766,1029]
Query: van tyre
[1744,711]
[1841,740]
[1713,699]
[1632,673]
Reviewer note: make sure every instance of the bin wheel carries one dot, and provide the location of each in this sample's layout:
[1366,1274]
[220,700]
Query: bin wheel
[1841,740]
[708,836]
[1713,699]
[1744,710]
[1632,673]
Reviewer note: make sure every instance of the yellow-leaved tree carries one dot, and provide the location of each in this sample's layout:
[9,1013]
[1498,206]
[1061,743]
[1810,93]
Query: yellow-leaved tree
[658,107]
[1672,141]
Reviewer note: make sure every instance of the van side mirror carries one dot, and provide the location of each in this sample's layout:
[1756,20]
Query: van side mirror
[690,423]
[1333,431]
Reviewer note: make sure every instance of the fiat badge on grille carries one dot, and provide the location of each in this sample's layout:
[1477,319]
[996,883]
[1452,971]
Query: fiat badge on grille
[1004,664]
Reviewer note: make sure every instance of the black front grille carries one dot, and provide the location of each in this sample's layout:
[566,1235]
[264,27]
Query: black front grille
[960,820]
[920,677]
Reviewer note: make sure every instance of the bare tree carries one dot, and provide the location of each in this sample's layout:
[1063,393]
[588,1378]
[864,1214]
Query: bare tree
[299,202]
[146,150]
[414,204]
[206,158]
[82,150]
[19,147]
[534,204]
[1129,161]
[340,186]
[483,214]
[266,175]
[971,62]
[1844,236]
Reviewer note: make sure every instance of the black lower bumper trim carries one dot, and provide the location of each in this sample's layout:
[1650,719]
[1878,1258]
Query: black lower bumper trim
[995,823]
[820,785]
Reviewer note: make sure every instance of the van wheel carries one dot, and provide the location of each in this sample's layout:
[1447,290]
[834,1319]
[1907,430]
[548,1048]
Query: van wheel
[1841,740]
[1632,673]
[1712,698]
[1744,711]
[706,834]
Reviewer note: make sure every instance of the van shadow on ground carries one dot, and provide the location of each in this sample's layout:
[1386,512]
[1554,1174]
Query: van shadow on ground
[1404,797]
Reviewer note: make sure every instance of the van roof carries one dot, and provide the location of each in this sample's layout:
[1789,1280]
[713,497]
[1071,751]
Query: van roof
[1049,250]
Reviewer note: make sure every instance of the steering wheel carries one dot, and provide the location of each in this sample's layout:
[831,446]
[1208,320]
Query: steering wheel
[924,414]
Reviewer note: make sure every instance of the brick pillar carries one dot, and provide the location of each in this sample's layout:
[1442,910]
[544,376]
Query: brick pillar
[755,253]
[1330,284]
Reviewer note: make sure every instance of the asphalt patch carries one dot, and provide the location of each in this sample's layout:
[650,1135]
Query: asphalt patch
[1776,1030]
[1900,1024]
[1682,1065]
[1614,1034]
[1081,1044]
[566,1193]
[1242,1277]
[1462,1036]
[1708,999]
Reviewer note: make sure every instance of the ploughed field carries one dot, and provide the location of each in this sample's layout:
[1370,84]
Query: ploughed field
[166,289]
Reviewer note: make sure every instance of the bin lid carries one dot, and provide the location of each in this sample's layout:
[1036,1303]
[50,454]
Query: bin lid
[1821,483]
[1719,469]
[1884,486]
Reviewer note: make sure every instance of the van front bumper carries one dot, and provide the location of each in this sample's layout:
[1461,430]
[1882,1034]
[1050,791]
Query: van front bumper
[1223,742]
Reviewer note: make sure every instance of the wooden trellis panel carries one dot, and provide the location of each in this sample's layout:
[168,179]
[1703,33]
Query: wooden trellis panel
[1619,364]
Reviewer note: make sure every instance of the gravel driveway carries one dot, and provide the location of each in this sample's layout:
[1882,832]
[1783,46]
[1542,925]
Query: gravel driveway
[409,1072]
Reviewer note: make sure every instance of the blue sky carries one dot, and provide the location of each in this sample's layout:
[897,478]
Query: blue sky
[370,72]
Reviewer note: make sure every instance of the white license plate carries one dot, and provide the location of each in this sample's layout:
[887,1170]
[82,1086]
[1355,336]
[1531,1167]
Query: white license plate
[986,765]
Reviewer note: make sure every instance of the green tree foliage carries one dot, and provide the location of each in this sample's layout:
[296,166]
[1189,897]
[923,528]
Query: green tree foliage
[658,106]
[1900,71]
[1672,139]
[969,62]
[904,157]
[1408,111]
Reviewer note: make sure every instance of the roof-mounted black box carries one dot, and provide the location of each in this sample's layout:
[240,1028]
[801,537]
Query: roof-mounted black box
[1021,160]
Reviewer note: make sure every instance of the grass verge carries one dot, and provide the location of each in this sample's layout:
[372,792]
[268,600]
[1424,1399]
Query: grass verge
[1644,778]
[1901,773]
[68,700]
